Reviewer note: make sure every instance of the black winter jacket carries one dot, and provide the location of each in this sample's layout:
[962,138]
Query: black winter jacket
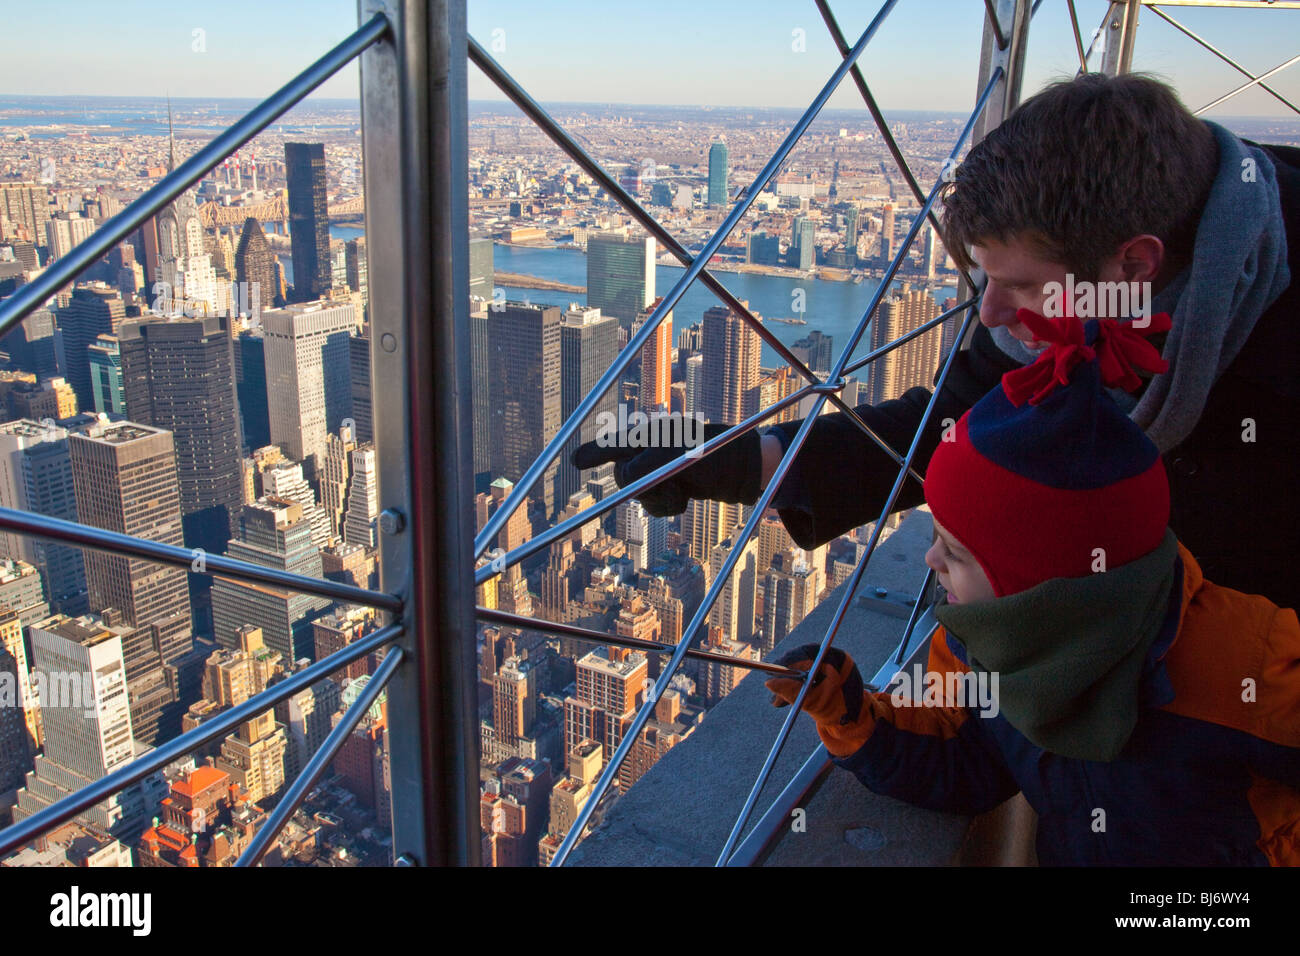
[1234,504]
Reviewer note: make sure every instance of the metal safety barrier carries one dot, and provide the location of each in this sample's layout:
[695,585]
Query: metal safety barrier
[413,56]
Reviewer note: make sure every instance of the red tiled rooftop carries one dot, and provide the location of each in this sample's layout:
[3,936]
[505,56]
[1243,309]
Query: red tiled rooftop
[199,780]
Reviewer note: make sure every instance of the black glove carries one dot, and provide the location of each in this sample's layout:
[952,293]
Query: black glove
[732,473]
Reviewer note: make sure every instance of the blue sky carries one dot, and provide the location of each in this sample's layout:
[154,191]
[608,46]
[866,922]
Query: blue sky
[625,51]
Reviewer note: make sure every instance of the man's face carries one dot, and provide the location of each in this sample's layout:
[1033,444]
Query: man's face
[1017,277]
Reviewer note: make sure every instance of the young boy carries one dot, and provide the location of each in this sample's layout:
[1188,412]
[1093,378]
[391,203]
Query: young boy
[1149,716]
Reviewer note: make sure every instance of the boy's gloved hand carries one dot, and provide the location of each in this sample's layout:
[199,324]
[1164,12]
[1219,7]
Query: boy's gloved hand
[732,473]
[835,700]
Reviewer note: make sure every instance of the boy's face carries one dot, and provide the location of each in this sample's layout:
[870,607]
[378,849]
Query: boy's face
[958,571]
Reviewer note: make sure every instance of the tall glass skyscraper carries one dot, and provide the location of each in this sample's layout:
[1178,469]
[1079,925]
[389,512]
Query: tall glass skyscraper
[304,165]
[620,275]
[588,346]
[718,174]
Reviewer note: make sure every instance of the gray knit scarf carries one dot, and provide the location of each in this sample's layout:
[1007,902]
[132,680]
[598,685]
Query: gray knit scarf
[1238,270]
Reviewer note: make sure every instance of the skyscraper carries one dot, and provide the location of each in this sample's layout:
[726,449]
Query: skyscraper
[480,362]
[718,195]
[609,685]
[695,385]
[178,374]
[358,268]
[284,479]
[481,269]
[734,609]
[337,476]
[481,278]
[124,478]
[887,232]
[851,229]
[705,524]
[184,264]
[361,514]
[18,743]
[731,352]
[514,700]
[816,351]
[304,165]
[930,252]
[308,375]
[273,533]
[645,535]
[30,345]
[362,415]
[250,387]
[620,275]
[912,363]
[88,729]
[588,346]
[26,205]
[525,362]
[656,362]
[95,309]
[255,265]
[36,476]
[790,589]
[105,359]
[803,246]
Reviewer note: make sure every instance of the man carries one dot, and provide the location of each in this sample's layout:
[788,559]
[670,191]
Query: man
[1096,180]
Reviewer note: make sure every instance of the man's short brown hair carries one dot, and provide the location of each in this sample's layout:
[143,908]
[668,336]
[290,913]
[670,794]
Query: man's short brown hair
[1082,167]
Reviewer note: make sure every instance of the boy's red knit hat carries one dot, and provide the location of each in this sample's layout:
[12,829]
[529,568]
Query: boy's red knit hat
[1045,477]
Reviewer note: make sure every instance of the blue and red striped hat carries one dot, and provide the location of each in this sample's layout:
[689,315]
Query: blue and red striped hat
[1046,469]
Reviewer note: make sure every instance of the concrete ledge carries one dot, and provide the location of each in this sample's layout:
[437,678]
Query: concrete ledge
[680,813]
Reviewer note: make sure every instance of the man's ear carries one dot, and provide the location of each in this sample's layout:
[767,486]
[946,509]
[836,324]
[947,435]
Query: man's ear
[1137,260]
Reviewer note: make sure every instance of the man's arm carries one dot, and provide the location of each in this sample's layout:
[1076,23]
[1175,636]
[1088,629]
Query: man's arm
[841,478]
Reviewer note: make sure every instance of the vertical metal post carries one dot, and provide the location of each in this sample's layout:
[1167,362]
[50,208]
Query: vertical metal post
[1013,22]
[414,134]
[1119,35]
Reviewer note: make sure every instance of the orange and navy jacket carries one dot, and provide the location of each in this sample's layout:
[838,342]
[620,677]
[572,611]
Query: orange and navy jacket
[1209,776]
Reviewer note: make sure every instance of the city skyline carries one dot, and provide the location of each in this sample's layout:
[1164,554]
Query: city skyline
[675,44]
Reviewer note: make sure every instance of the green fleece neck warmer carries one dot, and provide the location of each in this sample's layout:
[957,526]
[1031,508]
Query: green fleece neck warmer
[1069,652]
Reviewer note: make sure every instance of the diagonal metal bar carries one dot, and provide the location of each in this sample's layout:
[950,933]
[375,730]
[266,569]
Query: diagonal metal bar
[64,270]
[907,337]
[777,816]
[838,372]
[568,143]
[569,525]
[837,35]
[632,643]
[1099,32]
[1222,56]
[840,611]
[997,25]
[1245,86]
[787,460]
[633,348]
[321,759]
[114,542]
[688,636]
[1078,39]
[917,610]
[993,80]
[224,723]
